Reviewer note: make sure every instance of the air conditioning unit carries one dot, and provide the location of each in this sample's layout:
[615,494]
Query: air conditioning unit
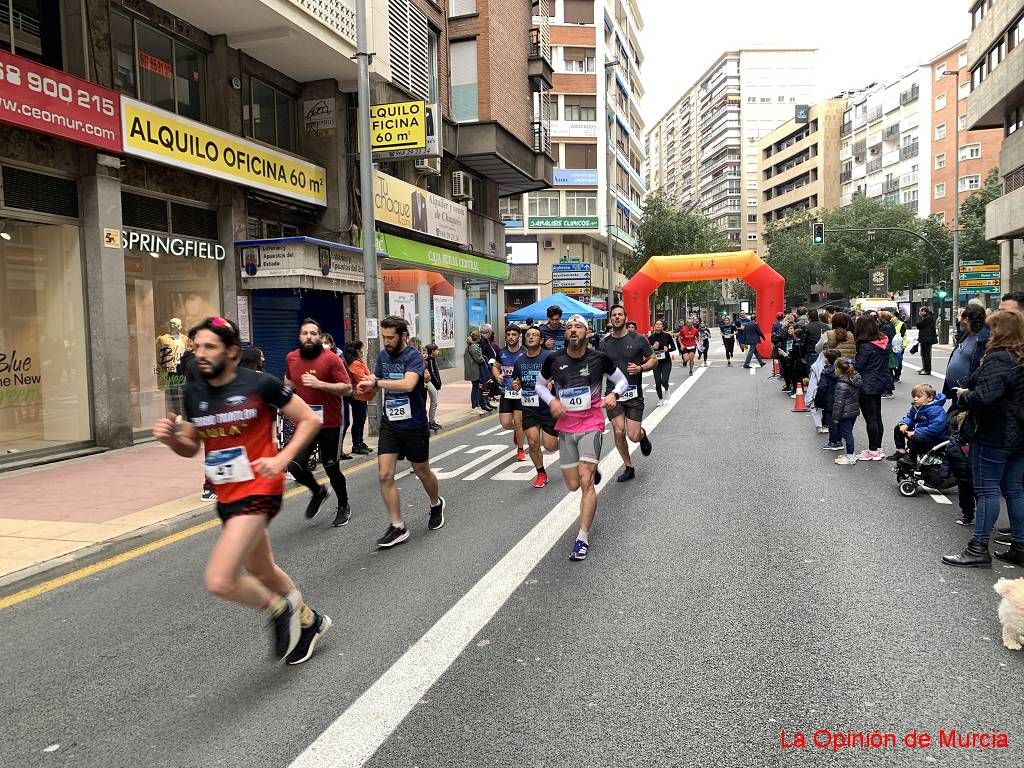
[549,245]
[428,166]
[462,186]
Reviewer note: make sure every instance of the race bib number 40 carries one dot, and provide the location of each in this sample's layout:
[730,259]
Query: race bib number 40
[575,398]
[397,408]
[230,465]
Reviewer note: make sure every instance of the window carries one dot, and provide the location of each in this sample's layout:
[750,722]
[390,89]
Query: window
[1014,35]
[579,11]
[461,8]
[1014,120]
[432,90]
[978,12]
[154,67]
[782,99]
[751,218]
[964,91]
[752,185]
[751,235]
[970,151]
[940,217]
[408,36]
[511,208]
[269,116]
[939,70]
[580,156]
[940,161]
[544,203]
[581,203]
[961,61]
[940,102]
[968,183]
[940,191]
[465,104]
[940,131]
[752,202]
[580,60]
[961,123]
[751,99]
[910,196]
[37,26]
[581,108]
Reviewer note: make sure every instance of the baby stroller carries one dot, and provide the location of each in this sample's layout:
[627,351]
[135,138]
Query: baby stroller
[926,471]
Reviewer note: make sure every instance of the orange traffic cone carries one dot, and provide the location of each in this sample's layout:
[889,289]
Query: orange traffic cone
[776,371]
[800,406]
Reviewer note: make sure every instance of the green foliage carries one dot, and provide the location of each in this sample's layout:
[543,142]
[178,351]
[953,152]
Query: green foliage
[973,244]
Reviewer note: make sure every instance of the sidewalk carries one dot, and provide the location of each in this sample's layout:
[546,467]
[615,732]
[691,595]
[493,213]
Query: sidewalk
[61,512]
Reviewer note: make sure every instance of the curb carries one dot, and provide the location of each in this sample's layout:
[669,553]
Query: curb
[198,513]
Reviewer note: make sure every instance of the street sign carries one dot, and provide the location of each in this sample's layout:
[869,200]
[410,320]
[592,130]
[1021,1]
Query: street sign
[580,283]
[981,289]
[571,276]
[979,267]
[979,283]
[979,276]
[571,266]
[972,262]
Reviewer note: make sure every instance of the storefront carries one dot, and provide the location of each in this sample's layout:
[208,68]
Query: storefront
[289,279]
[444,294]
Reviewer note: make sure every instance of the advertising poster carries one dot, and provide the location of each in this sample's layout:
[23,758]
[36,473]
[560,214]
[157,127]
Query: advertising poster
[444,322]
[477,311]
[403,305]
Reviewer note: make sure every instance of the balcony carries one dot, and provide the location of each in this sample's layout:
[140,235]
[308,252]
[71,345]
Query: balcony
[274,30]
[875,113]
[891,132]
[909,151]
[492,151]
[539,69]
[874,165]
[486,236]
[845,176]
[891,185]
[910,95]
[846,130]
[911,205]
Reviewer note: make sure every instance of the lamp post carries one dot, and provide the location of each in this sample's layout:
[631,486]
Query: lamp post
[956,199]
[609,68]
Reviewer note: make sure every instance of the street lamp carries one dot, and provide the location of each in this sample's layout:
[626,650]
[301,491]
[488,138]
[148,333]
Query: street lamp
[956,197]
[609,67]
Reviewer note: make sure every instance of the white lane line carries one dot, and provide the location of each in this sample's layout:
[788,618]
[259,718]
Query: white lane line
[939,498]
[490,430]
[941,375]
[356,735]
[433,459]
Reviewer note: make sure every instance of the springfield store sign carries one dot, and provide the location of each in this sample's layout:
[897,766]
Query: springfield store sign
[186,247]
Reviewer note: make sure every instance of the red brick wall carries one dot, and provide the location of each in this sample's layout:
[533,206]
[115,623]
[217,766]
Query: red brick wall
[575,83]
[581,36]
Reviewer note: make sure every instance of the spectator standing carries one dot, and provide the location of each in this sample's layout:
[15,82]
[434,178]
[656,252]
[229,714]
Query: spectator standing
[872,364]
[846,407]
[472,363]
[926,337]
[355,404]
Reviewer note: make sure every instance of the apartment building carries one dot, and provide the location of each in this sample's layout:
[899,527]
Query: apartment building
[706,144]
[596,140]
[187,159]
[799,166]
[886,142]
[996,62]
[979,150]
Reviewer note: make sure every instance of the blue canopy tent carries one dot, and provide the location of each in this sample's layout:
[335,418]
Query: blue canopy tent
[539,310]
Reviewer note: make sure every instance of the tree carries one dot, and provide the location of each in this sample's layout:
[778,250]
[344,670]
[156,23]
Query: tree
[973,245]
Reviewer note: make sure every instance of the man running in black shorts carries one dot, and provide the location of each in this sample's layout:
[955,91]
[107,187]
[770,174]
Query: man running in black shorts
[538,423]
[632,354]
[231,412]
[510,408]
[404,430]
[319,377]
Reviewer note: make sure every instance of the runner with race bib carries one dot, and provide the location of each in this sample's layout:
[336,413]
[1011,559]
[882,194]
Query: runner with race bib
[231,412]
[663,346]
[538,423]
[510,407]
[577,373]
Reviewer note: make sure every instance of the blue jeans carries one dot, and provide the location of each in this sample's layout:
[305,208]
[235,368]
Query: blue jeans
[833,427]
[994,470]
[752,350]
[846,428]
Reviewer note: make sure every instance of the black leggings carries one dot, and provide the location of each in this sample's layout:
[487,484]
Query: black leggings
[730,344]
[661,374]
[871,408]
[328,440]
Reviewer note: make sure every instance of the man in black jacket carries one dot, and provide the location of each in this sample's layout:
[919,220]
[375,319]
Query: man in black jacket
[812,333]
[751,335]
[926,336]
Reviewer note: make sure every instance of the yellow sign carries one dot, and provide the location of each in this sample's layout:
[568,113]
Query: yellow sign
[166,138]
[981,268]
[402,125]
[111,238]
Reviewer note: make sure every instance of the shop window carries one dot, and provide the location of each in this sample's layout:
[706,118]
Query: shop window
[154,67]
[270,115]
[44,383]
[36,25]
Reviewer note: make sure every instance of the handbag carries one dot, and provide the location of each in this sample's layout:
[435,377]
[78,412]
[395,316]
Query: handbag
[913,349]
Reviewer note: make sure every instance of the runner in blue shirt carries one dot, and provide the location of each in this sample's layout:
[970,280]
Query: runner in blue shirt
[510,408]
[537,418]
[553,331]
[404,433]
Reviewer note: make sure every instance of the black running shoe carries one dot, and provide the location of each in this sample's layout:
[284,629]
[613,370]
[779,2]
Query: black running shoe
[284,631]
[313,508]
[436,515]
[343,516]
[645,444]
[308,638]
[392,536]
[626,475]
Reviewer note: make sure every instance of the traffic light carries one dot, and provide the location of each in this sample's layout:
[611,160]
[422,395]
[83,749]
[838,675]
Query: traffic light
[818,232]
[942,290]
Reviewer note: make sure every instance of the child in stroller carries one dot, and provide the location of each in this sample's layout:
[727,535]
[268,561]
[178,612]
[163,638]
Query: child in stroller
[921,442]
[926,470]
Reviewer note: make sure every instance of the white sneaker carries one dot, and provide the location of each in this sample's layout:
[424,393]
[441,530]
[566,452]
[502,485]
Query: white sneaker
[846,460]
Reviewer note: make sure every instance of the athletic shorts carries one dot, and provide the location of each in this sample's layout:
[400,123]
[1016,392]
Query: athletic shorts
[510,405]
[250,505]
[411,444]
[689,350]
[574,448]
[542,419]
[632,408]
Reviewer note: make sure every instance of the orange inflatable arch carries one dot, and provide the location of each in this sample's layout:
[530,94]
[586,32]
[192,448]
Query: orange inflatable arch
[769,286]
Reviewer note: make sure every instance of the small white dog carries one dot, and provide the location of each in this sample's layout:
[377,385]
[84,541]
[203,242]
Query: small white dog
[1011,611]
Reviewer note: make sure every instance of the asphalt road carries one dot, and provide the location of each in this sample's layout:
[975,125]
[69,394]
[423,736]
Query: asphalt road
[743,584]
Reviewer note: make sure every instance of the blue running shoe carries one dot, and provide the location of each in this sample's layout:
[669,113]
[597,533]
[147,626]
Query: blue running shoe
[579,550]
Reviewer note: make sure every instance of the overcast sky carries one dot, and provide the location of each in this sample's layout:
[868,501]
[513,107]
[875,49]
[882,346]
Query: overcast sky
[858,42]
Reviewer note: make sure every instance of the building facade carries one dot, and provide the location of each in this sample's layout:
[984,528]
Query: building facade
[886,143]
[162,163]
[996,62]
[596,140]
[979,150]
[799,166]
[704,150]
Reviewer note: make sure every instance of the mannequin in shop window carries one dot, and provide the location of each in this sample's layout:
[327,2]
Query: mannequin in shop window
[170,347]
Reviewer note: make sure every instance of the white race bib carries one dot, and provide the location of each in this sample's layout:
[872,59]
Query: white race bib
[513,394]
[318,411]
[659,354]
[629,394]
[229,465]
[531,401]
[575,398]
[398,408]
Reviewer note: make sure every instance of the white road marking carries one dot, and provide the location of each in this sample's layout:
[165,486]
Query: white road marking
[407,472]
[490,430]
[939,498]
[356,735]
[941,375]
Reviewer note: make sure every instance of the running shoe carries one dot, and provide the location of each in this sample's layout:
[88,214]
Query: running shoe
[343,516]
[284,630]
[846,460]
[362,450]
[870,456]
[579,550]
[520,454]
[896,456]
[436,515]
[308,638]
[313,508]
[645,444]
[626,475]
[888,396]
[540,480]
[344,456]
[209,495]
[393,536]
[832,447]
